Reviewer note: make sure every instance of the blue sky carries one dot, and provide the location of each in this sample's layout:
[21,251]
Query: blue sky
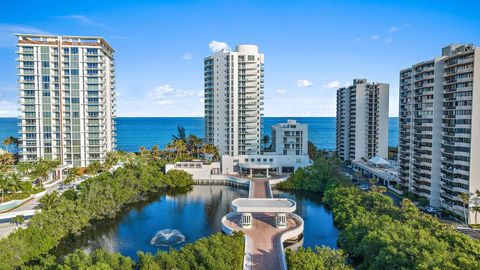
[311,47]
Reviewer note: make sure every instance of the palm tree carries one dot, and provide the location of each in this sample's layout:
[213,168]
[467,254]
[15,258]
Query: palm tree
[181,135]
[15,181]
[24,167]
[41,170]
[476,204]
[180,148]
[143,151]
[94,167]
[110,160]
[50,200]
[465,199]
[211,149]
[373,181]
[265,141]
[155,152]
[476,210]
[73,174]
[193,144]
[4,184]
[7,142]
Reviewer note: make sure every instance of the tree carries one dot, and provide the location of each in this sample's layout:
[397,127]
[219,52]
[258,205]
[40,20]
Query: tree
[4,184]
[11,144]
[73,174]
[155,152]
[24,167]
[41,170]
[379,189]
[180,148]
[111,160]
[210,149]
[15,182]
[50,200]
[6,161]
[143,151]
[18,220]
[193,145]
[265,141]
[321,258]
[312,150]
[181,135]
[465,199]
[94,167]
[476,204]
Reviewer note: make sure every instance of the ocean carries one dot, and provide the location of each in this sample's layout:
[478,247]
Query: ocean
[148,131]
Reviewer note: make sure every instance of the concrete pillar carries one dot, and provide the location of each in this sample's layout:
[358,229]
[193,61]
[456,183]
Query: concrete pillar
[267,174]
[247,220]
[251,172]
[281,220]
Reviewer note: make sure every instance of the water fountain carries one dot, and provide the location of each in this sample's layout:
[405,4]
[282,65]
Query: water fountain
[167,238]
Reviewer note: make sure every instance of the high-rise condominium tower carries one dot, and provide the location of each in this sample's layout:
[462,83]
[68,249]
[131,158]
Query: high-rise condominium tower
[362,120]
[67,97]
[439,146]
[234,100]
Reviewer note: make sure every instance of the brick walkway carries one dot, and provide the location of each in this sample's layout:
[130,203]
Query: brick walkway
[264,234]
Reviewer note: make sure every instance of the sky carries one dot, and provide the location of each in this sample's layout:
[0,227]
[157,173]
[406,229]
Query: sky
[311,47]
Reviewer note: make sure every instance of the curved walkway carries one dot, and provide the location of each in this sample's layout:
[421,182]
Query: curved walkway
[266,239]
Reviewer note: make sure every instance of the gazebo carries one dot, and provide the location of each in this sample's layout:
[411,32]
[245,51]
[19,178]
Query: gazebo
[378,161]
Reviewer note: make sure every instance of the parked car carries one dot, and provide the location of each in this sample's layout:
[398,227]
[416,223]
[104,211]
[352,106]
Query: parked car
[430,210]
[364,187]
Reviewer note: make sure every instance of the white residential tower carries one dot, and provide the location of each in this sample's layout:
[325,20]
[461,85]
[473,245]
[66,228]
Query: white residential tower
[234,100]
[362,120]
[67,97]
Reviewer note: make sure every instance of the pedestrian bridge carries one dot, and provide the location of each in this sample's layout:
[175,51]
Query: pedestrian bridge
[263,205]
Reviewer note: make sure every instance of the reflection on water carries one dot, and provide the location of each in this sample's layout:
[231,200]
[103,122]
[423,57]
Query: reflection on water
[173,220]
[318,221]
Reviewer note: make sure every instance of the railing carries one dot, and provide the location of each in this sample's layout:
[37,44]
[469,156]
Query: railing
[248,251]
[294,233]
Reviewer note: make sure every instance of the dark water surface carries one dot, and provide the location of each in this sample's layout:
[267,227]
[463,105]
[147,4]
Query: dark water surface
[194,214]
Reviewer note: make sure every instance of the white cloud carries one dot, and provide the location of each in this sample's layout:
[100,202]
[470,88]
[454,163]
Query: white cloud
[304,83]
[394,29]
[202,100]
[164,94]
[188,56]
[388,40]
[164,101]
[7,31]
[217,46]
[83,20]
[397,28]
[357,40]
[8,109]
[335,84]
[374,37]
[281,91]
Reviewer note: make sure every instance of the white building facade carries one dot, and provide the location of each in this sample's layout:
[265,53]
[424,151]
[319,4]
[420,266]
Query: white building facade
[234,100]
[67,98]
[362,120]
[290,138]
[439,149]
